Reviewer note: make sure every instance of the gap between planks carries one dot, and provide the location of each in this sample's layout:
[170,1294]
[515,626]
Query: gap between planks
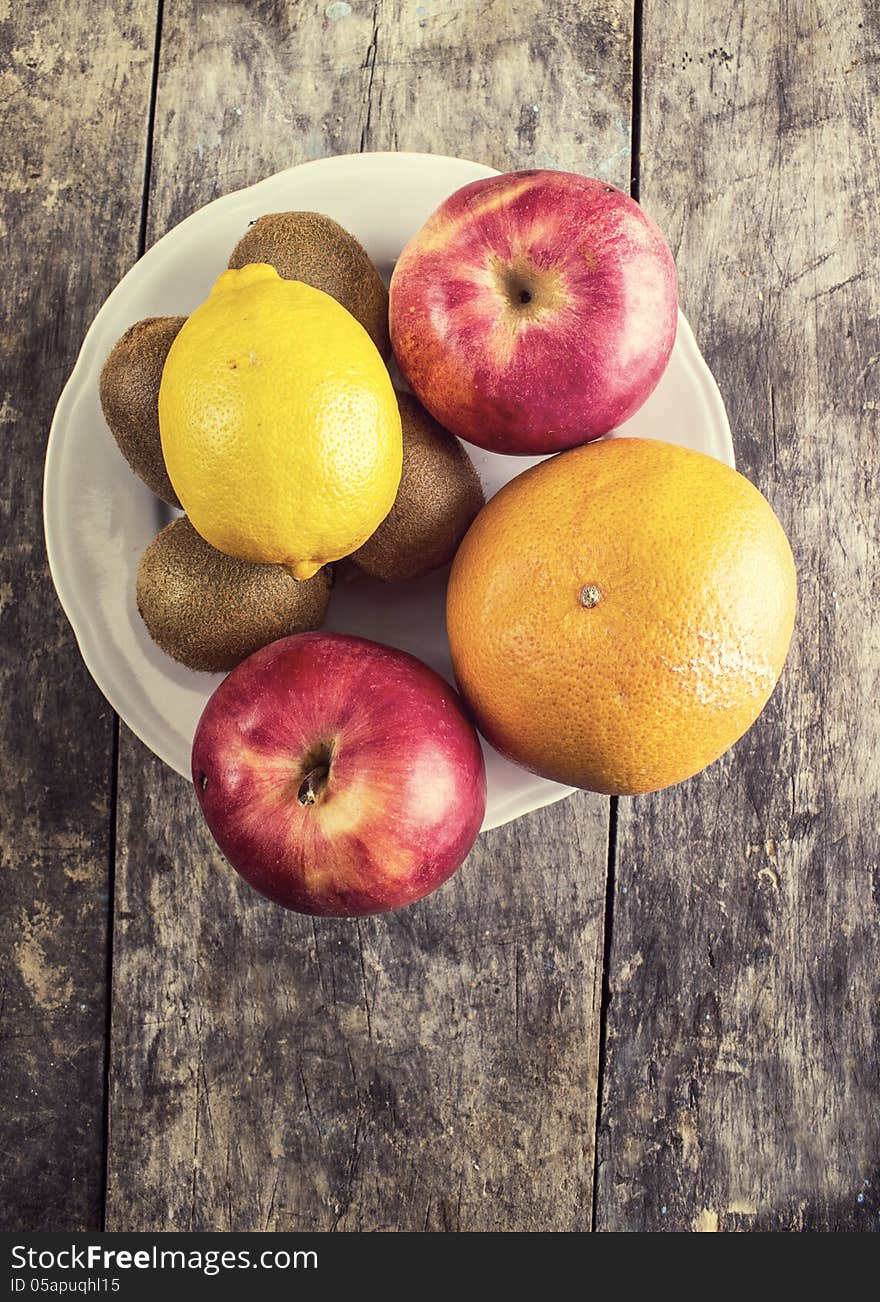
[611,866]
[114,761]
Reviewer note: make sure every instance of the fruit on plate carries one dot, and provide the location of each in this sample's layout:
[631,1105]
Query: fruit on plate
[279,424]
[209,611]
[339,776]
[129,390]
[619,615]
[310,247]
[534,311]
[438,497]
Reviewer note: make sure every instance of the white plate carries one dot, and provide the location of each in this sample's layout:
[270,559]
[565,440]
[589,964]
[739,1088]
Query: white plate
[99,517]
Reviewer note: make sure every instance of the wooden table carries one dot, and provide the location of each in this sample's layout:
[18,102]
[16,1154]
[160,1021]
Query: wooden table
[648,1014]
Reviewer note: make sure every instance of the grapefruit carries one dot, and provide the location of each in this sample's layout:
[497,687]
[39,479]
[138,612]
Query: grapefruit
[619,614]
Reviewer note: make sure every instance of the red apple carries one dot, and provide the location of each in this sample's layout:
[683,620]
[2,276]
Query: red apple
[534,311]
[339,776]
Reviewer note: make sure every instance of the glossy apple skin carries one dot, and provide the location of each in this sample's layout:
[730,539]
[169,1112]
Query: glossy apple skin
[405,790]
[574,361]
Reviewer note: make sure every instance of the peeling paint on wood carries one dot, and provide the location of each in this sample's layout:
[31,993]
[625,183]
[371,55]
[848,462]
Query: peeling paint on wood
[743,1053]
[74,90]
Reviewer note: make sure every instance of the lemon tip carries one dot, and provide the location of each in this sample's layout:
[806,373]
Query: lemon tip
[301,570]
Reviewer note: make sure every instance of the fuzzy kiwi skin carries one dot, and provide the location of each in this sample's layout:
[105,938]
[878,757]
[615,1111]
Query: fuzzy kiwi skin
[209,611]
[438,498]
[129,390]
[310,247]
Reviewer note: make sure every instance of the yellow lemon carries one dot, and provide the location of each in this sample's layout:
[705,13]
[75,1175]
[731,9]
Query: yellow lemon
[280,429]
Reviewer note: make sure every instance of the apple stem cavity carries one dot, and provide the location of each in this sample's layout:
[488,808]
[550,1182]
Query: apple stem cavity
[313,784]
[528,290]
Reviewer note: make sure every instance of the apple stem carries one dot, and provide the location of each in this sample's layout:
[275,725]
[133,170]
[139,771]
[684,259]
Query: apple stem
[313,784]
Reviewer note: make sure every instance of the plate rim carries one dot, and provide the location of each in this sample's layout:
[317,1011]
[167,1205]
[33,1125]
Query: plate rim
[72,606]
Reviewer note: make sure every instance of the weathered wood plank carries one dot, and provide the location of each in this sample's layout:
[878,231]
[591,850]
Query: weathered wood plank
[743,1050]
[434,1069]
[74,91]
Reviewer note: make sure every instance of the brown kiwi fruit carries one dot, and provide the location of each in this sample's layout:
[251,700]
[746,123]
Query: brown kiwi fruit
[439,496]
[310,247]
[129,390]
[209,610]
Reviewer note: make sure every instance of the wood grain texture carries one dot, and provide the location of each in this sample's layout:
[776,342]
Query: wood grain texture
[74,89]
[437,1068]
[743,1054]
